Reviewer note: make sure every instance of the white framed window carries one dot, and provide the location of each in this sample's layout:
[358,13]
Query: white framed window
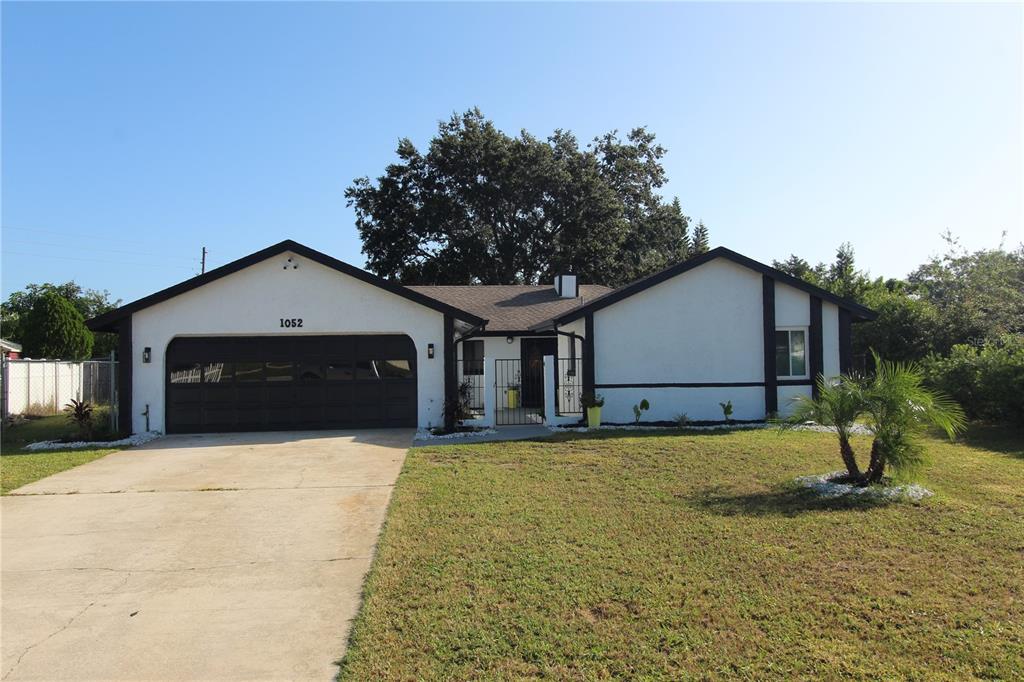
[791,353]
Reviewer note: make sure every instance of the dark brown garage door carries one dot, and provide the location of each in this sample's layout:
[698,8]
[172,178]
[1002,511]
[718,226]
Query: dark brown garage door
[300,382]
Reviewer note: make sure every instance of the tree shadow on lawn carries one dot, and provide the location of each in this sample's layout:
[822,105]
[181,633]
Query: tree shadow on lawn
[786,499]
[1004,440]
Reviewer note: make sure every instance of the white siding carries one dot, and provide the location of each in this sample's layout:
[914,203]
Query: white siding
[252,301]
[703,326]
[792,307]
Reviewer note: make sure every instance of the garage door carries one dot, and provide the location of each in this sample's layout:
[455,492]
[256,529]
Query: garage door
[279,383]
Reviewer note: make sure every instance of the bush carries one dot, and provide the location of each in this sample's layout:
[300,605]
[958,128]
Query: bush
[988,381]
[55,329]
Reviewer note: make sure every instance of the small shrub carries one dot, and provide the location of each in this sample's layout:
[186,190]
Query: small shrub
[682,420]
[80,413]
[640,409]
[459,408]
[727,410]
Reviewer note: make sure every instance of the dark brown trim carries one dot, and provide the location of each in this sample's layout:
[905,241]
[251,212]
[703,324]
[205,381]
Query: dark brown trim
[692,384]
[524,332]
[450,368]
[720,252]
[125,361]
[845,342]
[817,353]
[710,384]
[771,393]
[589,377]
[106,321]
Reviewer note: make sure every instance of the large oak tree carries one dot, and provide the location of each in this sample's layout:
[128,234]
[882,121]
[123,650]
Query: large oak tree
[481,206]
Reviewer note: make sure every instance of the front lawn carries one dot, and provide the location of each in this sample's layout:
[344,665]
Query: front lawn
[689,556]
[19,467]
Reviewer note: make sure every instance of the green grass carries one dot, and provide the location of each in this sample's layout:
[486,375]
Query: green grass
[19,466]
[691,556]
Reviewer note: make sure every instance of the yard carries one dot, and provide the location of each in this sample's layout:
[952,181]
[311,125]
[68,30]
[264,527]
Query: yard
[689,556]
[19,467]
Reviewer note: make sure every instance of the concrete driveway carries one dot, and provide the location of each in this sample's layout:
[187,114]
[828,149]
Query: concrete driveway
[196,558]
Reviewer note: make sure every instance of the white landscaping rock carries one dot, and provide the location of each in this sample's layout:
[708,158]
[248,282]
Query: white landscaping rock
[643,427]
[826,486]
[137,439]
[427,435]
[856,429]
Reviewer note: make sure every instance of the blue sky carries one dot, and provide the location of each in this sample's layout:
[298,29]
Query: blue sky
[134,134]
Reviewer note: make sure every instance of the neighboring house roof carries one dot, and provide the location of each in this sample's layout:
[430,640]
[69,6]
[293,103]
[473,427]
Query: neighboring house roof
[10,345]
[106,322]
[511,307]
[858,311]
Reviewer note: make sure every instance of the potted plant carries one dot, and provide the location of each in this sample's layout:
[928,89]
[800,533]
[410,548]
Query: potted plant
[593,404]
[512,393]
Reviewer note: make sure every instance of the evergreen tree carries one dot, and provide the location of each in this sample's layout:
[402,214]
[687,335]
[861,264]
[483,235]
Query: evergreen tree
[700,240]
[55,329]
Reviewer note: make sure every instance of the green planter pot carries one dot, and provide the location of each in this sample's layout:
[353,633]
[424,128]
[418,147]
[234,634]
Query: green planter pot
[593,417]
[513,398]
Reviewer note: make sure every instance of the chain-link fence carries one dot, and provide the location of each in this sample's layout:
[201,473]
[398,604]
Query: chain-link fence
[43,387]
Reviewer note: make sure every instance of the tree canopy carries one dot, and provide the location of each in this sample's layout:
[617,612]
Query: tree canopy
[54,328]
[481,206]
[88,302]
[956,298]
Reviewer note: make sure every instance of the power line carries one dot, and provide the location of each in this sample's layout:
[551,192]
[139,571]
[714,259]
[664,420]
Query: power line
[91,260]
[91,235]
[99,248]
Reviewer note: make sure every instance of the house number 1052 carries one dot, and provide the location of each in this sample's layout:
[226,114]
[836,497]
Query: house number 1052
[291,321]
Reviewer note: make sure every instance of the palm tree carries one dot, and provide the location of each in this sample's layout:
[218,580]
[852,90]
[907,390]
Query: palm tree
[839,403]
[898,408]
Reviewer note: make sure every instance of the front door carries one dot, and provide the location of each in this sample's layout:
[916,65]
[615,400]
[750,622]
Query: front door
[533,351]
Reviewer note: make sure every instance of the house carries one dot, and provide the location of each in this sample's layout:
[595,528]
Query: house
[9,349]
[291,338]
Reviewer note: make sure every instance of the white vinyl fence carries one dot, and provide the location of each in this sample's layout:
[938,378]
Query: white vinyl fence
[44,387]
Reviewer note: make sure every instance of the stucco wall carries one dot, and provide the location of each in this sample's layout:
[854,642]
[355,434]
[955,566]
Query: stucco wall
[703,326]
[252,301]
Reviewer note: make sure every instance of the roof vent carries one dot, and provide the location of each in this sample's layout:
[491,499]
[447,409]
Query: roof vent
[565,286]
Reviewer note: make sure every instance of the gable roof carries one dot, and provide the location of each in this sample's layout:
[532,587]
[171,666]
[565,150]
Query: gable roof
[106,321]
[858,311]
[512,308]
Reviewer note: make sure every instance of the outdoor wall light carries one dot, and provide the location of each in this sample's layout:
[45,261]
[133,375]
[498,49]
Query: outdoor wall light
[508,339]
[430,351]
[147,354]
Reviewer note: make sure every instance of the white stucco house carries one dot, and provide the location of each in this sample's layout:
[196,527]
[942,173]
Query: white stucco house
[291,338]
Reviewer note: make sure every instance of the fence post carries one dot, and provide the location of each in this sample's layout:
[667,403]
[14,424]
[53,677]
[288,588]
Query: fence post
[489,397]
[549,389]
[5,386]
[114,402]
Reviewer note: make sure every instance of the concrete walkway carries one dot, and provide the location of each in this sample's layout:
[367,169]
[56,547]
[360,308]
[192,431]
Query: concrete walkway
[237,557]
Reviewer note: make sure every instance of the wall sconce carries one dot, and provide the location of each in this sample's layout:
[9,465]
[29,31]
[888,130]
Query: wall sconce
[508,339]
[430,351]
[147,354]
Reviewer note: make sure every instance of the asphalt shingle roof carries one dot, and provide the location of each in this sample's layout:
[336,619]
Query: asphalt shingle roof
[512,307]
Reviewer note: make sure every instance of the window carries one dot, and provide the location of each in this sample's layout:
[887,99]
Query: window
[339,371]
[279,371]
[218,373]
[185,373]
[394,369]
[790,353]
[249,371]
[473,357]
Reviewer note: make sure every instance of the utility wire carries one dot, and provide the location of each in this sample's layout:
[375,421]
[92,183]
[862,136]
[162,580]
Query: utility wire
[98,248]
[91,260]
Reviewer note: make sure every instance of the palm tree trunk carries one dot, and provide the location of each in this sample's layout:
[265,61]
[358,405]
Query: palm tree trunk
[877,466]
[846,450]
